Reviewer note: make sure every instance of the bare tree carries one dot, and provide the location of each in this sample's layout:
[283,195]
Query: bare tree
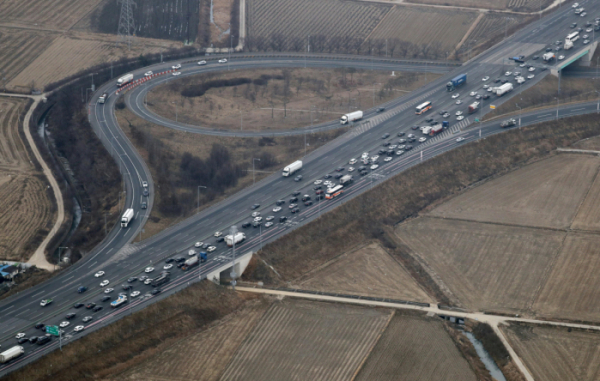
[297,44]
[392,43]
[379,46]
[277,42]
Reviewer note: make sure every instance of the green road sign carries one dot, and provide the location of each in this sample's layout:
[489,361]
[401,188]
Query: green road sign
[52,329]
[477,119]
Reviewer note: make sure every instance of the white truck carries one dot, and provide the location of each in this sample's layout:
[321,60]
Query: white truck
[346,179]
[292,168]
[120,300]
[500,91]
[351,117]
[103,98]
[568,44]
[548,56]
[426,130]
[127,217]
[11,353]
[124,80]
[239,237]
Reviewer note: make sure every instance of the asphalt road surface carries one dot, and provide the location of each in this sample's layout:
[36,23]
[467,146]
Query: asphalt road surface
[120,259]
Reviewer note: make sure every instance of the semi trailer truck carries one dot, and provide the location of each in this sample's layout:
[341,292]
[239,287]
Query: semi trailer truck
[127,217]
[351,117]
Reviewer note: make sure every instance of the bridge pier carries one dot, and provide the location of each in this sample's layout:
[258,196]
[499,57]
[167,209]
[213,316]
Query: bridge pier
[239,266]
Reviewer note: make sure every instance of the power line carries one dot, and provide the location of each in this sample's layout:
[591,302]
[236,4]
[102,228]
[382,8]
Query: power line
[126,30]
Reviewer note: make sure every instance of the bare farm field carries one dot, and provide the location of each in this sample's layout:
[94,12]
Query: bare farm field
[202,356]
[592,144]
[418,348]
[556,354]
[427,28]
[278,99]
[76,51]
[544,194]
[513,5]
[588,216]
[297,339]
[27,209]
[53,14]
[486,267]
[368,270]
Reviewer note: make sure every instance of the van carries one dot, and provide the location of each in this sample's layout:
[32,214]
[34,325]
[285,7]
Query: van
[43,340]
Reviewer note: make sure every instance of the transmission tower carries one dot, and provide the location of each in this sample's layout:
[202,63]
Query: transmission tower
[126,23]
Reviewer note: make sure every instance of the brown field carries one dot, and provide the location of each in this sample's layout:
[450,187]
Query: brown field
[486,266]
[27,209]
[221,17]
[588,216]
[544,194]
[55,14]
[573,286]
[441,29]
[70,53]
[592,144]
[492,24]
[261,107]
[297,339]
[418,348]
[556,354]
[202,356]
[514,5]
[368,270]
[292,21]
[19,48]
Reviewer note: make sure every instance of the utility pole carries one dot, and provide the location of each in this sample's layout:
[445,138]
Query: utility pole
[230,45]
[199,186]
[59,253]
[253,177]
[307,50]
[520,109]
[233,232]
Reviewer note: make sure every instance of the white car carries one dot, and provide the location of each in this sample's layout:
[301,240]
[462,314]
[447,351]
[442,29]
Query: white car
[389,158]
[175,67]
[149,269]
[277,209]
[575,5]
[485,86]
[520,80]
[199,244]
[508,73]
[270,218]
[530,76]
[517,73]
[20,336]
[255,214]
[327,183]
[458,113]
[99,274]
[202,62]
[45,302]
[490,89]
[458,102]
[473,93]
[399,152]
[460,117]
[350,169]
[455,95]
[485,78]
[177,73]
[218,234]
[318,182]
[190,253]
[532,69]
[460,139]
[352,161]
[365,155]
[589,30]
[145,184]
[258,219]
[210,249]
[109,290]
[104,283]
[421,140]
[148,281]
[64,324]
[585,42]
[522,65]
[374,167]
[268,224]
[168,266]
[583,14]
[224,60]
[374,158]
[560,58]
[79,328]
[135,293]
[148,73]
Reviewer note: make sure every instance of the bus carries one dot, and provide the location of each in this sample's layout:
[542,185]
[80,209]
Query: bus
[573,36]
[423,107]
[334,192]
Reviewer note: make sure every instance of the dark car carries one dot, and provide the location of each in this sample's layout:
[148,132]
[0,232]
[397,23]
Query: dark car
[282,219]
[90,305]
[381,109]
[401,133]
[319,191]
[256,224]
[320,196]
[133,278]
[429,120]
[381,151]
[298,178]
[144,205]
[205,246]
[23,340]
[145,192]
[408,148]
[558,48]
[220,239]
[180,259]
[293,200]
[442,112]
[280,202]
[317,187]
[412,140]
[363,173]
[486,96]
[255,206]
[40,326]
[305,197]
[126,287]
[401,141]
[308,203]
[548,49]
[43,340]
[77,305]
[385,136]
[505,81]
[246,225]
[535,57]
[385,144]
[338,176]
[390,152]
[98,308]
[156,291]
[82,289]
[33,340]
[70,315]
[180,265]
[339,169]
[168,260]
[573,25]
[296,193]
[105,298]
[497,80]
[415,127]
[294,210]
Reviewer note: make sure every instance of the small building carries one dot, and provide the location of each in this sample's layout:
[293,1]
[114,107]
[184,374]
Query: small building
[7,272]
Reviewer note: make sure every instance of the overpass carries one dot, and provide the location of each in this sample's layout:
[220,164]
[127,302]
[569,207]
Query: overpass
[584,56]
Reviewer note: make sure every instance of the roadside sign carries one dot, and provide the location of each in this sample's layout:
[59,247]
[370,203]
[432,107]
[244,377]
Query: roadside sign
[492,107]
[52,329]
[477,119]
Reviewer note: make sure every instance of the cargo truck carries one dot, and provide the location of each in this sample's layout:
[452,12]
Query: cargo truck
[193,261]
[346,179]
[436,129]
[239,237]
[500,91]
[508,123]
[519,59]
[120,300]
[474,107]
[11,353]
[124,80]
[164,277]
[426,130]
[127,217]
[292,168]
[568,44]
[103,98]
[456,81]
[548,57]
[351,117]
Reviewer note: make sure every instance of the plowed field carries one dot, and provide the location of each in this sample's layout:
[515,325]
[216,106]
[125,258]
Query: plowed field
[55,14]
[515,5]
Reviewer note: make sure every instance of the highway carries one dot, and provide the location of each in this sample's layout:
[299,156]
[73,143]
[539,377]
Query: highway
[120,259]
